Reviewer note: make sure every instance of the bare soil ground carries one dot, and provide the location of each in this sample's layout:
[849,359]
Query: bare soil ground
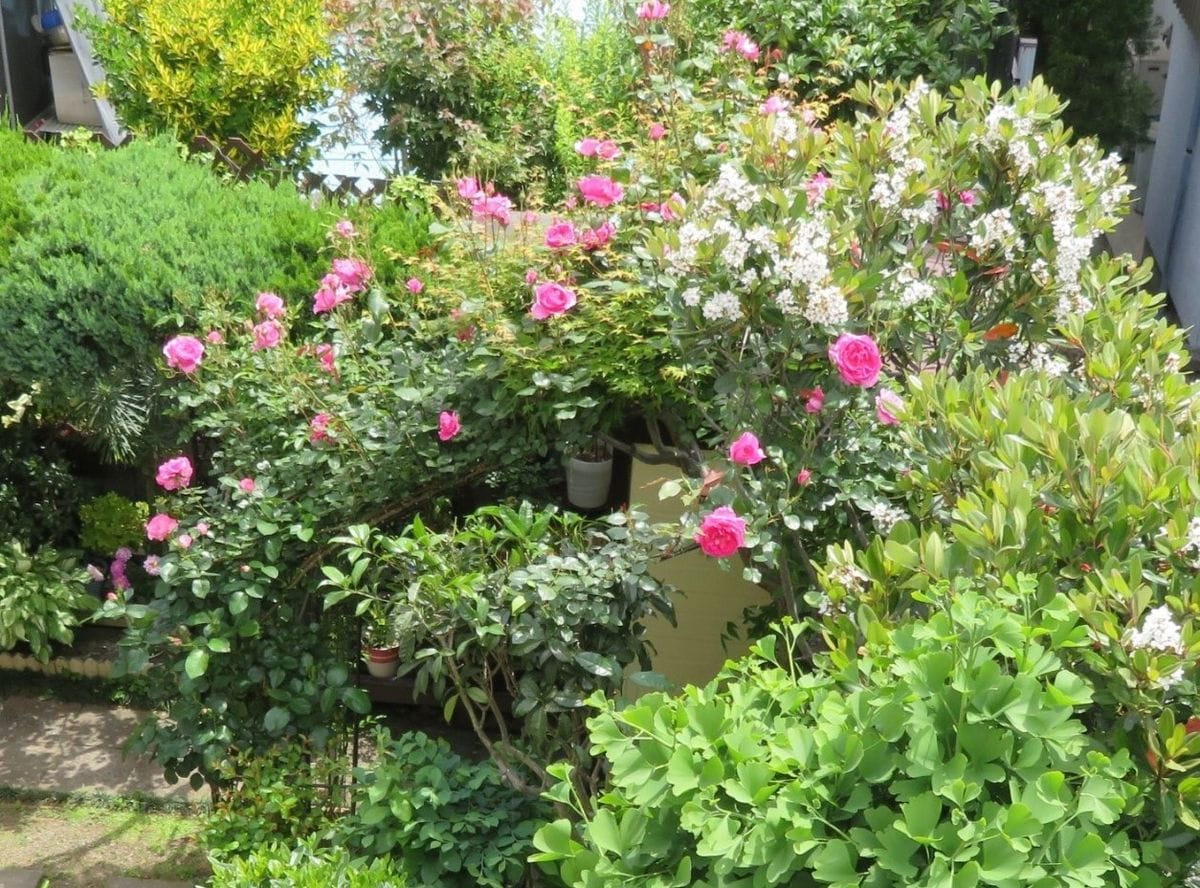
[83,846]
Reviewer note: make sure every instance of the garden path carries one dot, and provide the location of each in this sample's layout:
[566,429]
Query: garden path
[55,746]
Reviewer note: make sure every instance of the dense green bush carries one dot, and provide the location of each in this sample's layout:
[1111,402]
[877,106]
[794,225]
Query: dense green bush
[38,494]
[951,750]
[42,598]
[1085,51]
[307,865]
[17,156]
[447,822]
[119,240]
[111,521]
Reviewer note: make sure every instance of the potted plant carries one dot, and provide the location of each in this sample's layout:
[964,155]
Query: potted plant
[381,642]
[589,475]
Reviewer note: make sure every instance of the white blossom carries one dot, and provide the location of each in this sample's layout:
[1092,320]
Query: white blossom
[722,307]
[1159,632]
[827,306]
[886,516]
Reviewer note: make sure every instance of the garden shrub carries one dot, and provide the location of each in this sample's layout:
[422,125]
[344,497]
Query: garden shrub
[39,494]
[952,749]
[17,157]
[306,865]
[42,598]
[110,522]
[445,821]
[116,243]
[217,68]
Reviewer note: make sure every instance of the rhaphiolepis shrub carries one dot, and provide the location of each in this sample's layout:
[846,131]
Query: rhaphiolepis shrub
[952,749]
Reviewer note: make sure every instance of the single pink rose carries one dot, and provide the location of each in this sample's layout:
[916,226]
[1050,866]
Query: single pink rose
[202,528]
[330,296]
[887,405]
[608,150]
[943,201]
[587,147]
[269,304]
[497,207]
[551,299]
[326,356]
[531,276]
[967,198]
[345,228]
[672,209]
[184,353]
[319,428]
[160,527]
[215,337]
[415,285]
[267,335]
[448,425]
[653,10]
[816,188]
[600,191]
[184,540]
[773,105]
[656,131]
[745,451]
[175,473]
[736,41]
[110,596]
[721,533]
[857,359]
[247,485]
[352,273]
[597,238]
[804,477]
[560,235]
[468,189]
[814,399]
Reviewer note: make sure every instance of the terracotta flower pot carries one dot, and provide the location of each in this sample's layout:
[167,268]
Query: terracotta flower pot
[383,662]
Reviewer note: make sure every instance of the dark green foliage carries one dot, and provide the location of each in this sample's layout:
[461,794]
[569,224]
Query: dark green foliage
[118,241]
[38,495]
[42,598]
[447,821]
[1084,49]
[17,156]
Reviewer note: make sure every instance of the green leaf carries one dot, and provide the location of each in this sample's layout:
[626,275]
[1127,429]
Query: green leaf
[219,645]
[276,719]
[196,663]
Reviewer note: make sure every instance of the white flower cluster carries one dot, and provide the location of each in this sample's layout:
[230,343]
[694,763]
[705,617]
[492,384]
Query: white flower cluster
[848,577]
[1005,129]
[1043,359]
[722,306]
[995,229]
[911,289]
[827,608]
[827,306]
[1071,248]
[1098,173]
[889,188]
[1159,632]
[886,516]
[733,189]
[1192,880]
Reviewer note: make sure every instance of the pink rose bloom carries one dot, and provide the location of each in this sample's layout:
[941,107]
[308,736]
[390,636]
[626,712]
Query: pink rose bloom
[721,533]
[814,399]
[110,596]
[607,150]
[967,198]
[468,189]
[943,202]
[736,41]
[345,228]
[531,276]
[816,188]
[319,428]
[560,235]
[657,131]
[857,359]
[804,477]
[596,238]
[587,147]
[496,207]
[267,335]
[152,566]
[184,540]
[184,353]
[247,485]
[745,451]
[653,10]
[215,337]
[448,425]
[773,105]
[174,474]
[887,405]
[529,217]
[160,527]
[202,528]
[353,273]
[415,285]
[551,299]
[325,355]
[269,304]
[600,190]
[331,295]
[672,210]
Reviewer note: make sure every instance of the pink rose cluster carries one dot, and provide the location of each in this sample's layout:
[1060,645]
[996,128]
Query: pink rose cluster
[550,299]
[347,277]
[485,203]
[605,149]
[184,353]
[736,41]
[174,474]
[563,235]
[653,10]
[318,428]
[600,191]
[326,355]
[722,532]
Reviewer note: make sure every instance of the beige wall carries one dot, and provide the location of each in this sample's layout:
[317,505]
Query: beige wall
[711,597]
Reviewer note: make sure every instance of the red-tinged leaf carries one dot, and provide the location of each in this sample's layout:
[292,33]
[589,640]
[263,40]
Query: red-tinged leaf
[1001,331]
[998,271]
[712,478]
